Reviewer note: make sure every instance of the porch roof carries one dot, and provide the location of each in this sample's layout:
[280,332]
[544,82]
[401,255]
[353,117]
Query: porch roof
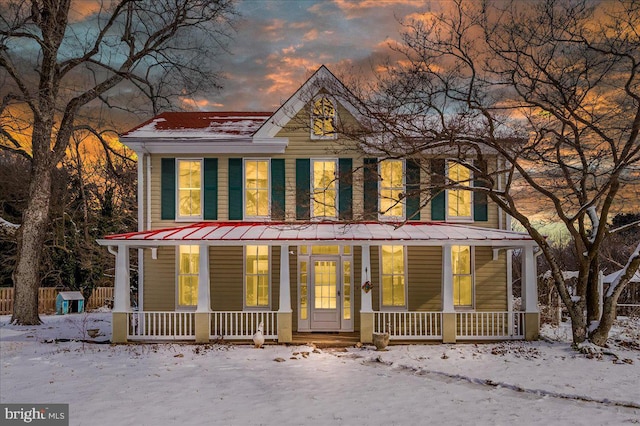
[275,233]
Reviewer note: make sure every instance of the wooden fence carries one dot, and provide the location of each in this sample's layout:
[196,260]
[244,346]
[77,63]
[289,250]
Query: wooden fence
[47,299]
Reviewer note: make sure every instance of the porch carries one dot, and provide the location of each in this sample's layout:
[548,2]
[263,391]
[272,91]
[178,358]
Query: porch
[402,326]
[436,318]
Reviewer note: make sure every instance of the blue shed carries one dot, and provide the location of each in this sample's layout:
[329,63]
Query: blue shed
[68,302]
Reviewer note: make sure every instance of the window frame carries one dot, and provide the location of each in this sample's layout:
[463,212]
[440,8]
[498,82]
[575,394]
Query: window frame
[471,274]
[313,116]
[192,218]
[336,181]
[178,306]
[244,189]
[450,218]
[246,307]
[381,215]
[405,306]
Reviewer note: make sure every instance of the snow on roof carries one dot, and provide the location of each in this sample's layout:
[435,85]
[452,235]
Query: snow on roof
[200,125]
[612,277]
[71,295]
[244,232]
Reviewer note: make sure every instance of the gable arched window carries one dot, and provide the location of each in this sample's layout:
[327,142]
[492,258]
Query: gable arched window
[323,118]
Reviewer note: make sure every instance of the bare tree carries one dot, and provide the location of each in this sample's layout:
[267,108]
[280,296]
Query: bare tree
[550,87]
[56,72]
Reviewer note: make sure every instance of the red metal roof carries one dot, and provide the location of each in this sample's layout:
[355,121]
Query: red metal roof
[207,123]
[245,232]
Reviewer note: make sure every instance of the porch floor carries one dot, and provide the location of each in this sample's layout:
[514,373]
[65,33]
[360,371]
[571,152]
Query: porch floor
[326,340]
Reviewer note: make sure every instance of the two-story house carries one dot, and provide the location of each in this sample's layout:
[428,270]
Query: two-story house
[249,217]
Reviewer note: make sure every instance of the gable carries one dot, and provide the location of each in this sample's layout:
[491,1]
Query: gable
[321,81]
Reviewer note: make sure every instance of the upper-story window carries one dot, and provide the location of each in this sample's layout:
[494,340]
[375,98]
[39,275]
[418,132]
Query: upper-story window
[459,200]
[256,189]
[189,189]
[392,189]
[323,118]
[324,188]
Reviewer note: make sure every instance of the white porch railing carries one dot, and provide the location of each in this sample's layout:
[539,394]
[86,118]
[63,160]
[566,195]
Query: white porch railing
[240,325]
[489,325]
[151,325]
[409,325]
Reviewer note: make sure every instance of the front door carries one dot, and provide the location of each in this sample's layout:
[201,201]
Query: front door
[325,295]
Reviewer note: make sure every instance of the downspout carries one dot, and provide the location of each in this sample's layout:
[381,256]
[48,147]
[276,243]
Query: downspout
[500,212]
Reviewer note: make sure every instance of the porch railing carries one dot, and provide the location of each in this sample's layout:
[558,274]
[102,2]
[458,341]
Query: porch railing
[489,325]
[150,325]
[241,325]
[409,325]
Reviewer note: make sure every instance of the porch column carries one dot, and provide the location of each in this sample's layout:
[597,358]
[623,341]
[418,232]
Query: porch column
[204,297]
[285,314]
[448,311]
[366,306]
[121,298]
[530,294]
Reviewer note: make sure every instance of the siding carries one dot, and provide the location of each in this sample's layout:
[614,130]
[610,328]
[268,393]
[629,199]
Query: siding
[490,280]
[159,289]
[425,278]
[225,266]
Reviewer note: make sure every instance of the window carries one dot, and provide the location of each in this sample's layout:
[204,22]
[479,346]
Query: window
[256,188]
[188,268]
[459,200]
[256,276]
[190,189]
[324,188]
[323,119]
[391,189]
[462,276]
[392,276]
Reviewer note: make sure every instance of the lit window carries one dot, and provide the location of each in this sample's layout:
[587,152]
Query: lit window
[323,119]
[392,275]
[324,189]
[256,188]
[188,267]
[459,200]
[190,189]
[257,276]
[391,189]
[462,276]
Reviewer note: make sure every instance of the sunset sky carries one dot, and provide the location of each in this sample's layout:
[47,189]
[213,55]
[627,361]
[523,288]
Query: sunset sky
[280,42]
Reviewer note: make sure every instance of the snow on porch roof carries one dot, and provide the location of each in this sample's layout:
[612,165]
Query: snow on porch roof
[190,125]
[239,233]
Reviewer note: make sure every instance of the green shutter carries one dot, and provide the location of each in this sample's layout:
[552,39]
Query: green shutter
[480,202]
[370,189]
[210,189]
[437,191]
[168,189]
[277,189]
[235,189]
[413,189]
[303,189]
[345,186]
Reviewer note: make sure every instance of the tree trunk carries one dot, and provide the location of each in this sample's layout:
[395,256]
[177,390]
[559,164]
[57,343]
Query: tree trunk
[31,238]
[600,335]
[593,292]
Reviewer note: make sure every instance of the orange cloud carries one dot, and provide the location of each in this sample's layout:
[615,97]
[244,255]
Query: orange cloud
[198,104]
[353,9]
[311,35]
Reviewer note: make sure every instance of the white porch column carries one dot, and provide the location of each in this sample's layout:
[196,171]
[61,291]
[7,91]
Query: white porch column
[285,284]
[366,304]
[529,282]
[447,280]
[530,294]
[121,299]
[204,292]
[285,314]
[202,323]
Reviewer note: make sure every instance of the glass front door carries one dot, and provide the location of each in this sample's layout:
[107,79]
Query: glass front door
[325,292]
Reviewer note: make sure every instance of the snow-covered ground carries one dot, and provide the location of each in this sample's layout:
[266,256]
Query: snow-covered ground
[543,382]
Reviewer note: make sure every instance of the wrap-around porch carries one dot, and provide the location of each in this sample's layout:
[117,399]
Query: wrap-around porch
[203,324]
